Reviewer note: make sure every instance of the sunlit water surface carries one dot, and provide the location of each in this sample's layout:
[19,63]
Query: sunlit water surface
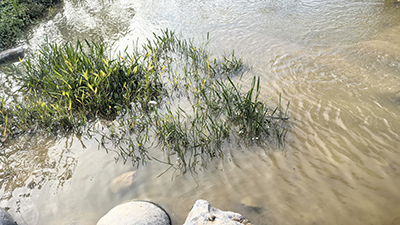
[337,62]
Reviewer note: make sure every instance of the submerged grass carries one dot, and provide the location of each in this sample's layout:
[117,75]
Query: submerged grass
[170,93]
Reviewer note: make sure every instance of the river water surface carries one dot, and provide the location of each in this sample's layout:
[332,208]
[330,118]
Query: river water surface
[337,62]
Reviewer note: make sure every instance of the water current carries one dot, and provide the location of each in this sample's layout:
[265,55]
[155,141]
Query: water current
[337,62]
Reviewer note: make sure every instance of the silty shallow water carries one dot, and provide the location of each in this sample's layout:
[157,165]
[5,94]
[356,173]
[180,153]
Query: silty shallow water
[337,62]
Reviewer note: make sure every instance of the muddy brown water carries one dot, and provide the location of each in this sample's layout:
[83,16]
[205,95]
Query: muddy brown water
[337,62]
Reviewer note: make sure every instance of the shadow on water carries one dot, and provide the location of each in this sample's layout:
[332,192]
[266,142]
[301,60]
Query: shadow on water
[33,161]
[29,164]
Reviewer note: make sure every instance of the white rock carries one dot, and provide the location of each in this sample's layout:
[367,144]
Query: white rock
[203,213]
[136,212]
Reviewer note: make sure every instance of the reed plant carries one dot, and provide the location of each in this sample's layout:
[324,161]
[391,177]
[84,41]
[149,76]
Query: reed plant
[169,94]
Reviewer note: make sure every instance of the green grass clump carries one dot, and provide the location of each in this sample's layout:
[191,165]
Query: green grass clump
[66,86]
[82,78]
[170,93]
[16,15]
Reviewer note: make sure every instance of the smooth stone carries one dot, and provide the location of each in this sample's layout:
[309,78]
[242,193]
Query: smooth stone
[123,182]
[203,213]
[6,218]
[250,204]
[11,55]
[136,212]
[250,201]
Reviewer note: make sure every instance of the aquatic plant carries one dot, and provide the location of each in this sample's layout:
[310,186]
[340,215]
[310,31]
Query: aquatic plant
[169,93]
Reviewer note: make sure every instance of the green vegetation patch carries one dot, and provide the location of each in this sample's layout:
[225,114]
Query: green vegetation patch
[169,93]
[16,15]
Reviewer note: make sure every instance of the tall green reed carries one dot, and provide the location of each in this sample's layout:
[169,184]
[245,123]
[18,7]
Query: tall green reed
[170,94]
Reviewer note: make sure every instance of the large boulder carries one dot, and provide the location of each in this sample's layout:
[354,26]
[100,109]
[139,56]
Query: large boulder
[11,55]
[136,212]
[203,213]
[6,218]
